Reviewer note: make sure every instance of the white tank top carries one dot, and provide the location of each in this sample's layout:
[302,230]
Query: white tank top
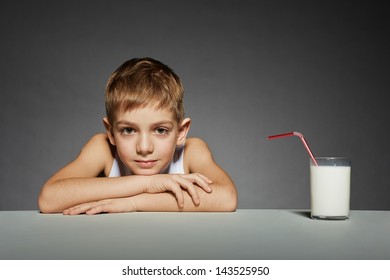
[175,167]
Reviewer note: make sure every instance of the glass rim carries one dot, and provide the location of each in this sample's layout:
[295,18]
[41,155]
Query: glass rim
[331,161]
[333,158]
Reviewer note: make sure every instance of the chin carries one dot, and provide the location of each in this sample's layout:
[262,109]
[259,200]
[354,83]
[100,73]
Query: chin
[146,172]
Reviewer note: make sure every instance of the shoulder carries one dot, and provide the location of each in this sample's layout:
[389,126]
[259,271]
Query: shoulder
[99,138]
[98,150]
[196,151]
[196,144]
[94,159]
[98,142]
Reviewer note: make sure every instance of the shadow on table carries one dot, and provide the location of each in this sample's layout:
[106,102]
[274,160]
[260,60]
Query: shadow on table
[302,213]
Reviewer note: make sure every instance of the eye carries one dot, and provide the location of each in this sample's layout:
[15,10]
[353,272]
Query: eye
[161,131]
[127,130]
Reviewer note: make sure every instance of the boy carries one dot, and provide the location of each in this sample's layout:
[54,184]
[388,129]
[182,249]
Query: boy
[147,162]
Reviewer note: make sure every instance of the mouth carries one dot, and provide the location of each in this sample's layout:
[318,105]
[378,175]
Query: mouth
[146,163]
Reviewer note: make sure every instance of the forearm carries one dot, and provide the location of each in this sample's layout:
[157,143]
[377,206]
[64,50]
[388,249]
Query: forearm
[221,199]
[62,194]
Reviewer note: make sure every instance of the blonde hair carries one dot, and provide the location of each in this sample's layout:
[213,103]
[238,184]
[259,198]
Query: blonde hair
[140,82]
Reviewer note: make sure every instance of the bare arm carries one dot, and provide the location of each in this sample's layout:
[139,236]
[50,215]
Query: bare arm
[76,184]
[62,194]
[199,159]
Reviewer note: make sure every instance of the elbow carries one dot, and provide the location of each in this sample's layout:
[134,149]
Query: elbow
[230,201]
[45,207]
[45,204]
[233,202]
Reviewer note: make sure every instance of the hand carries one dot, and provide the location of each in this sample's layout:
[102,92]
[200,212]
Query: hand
[115,205]
[177,182]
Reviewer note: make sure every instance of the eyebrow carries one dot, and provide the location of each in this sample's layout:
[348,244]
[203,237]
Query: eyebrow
[129,123]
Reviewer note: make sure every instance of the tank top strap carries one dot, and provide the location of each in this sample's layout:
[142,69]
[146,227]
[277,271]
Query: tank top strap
[177,164]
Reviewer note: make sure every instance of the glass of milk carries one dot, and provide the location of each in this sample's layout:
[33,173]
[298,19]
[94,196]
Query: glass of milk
[330,183]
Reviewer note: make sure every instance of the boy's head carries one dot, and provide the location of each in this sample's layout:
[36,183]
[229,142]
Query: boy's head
[142,82]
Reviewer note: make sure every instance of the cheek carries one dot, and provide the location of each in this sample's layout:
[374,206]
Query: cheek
[166,148]
[124,148]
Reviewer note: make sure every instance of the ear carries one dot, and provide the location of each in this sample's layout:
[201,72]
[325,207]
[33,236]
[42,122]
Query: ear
[108,127]
[184,128]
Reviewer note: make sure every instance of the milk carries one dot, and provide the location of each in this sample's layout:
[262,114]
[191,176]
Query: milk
[330,191]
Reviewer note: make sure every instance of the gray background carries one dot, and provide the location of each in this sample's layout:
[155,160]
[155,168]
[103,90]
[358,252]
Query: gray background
[250,69]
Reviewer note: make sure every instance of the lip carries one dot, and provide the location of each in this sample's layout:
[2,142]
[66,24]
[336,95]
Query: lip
[146,164]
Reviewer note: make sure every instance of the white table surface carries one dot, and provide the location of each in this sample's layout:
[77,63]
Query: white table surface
[244,234]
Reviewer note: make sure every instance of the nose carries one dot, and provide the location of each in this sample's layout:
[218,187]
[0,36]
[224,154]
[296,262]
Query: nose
[144,144]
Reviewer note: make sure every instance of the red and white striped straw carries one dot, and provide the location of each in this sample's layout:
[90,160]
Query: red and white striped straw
[294,133]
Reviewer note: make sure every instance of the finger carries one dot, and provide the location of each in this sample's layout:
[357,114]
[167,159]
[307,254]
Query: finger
[190,188]
[110,206]
[178,192]
[205,178]
[199,180]
[76,211]
[103,208]
[96,210]
[69,211]
[204,183]
[79,209]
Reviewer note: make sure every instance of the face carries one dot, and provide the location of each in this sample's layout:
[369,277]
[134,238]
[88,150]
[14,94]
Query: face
[146,138]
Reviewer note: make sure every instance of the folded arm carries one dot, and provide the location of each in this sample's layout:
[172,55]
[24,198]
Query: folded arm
[198,158]
[223,196]
[76,188]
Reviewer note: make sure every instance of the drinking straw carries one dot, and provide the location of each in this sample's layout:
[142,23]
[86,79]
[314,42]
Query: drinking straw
[294,133]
